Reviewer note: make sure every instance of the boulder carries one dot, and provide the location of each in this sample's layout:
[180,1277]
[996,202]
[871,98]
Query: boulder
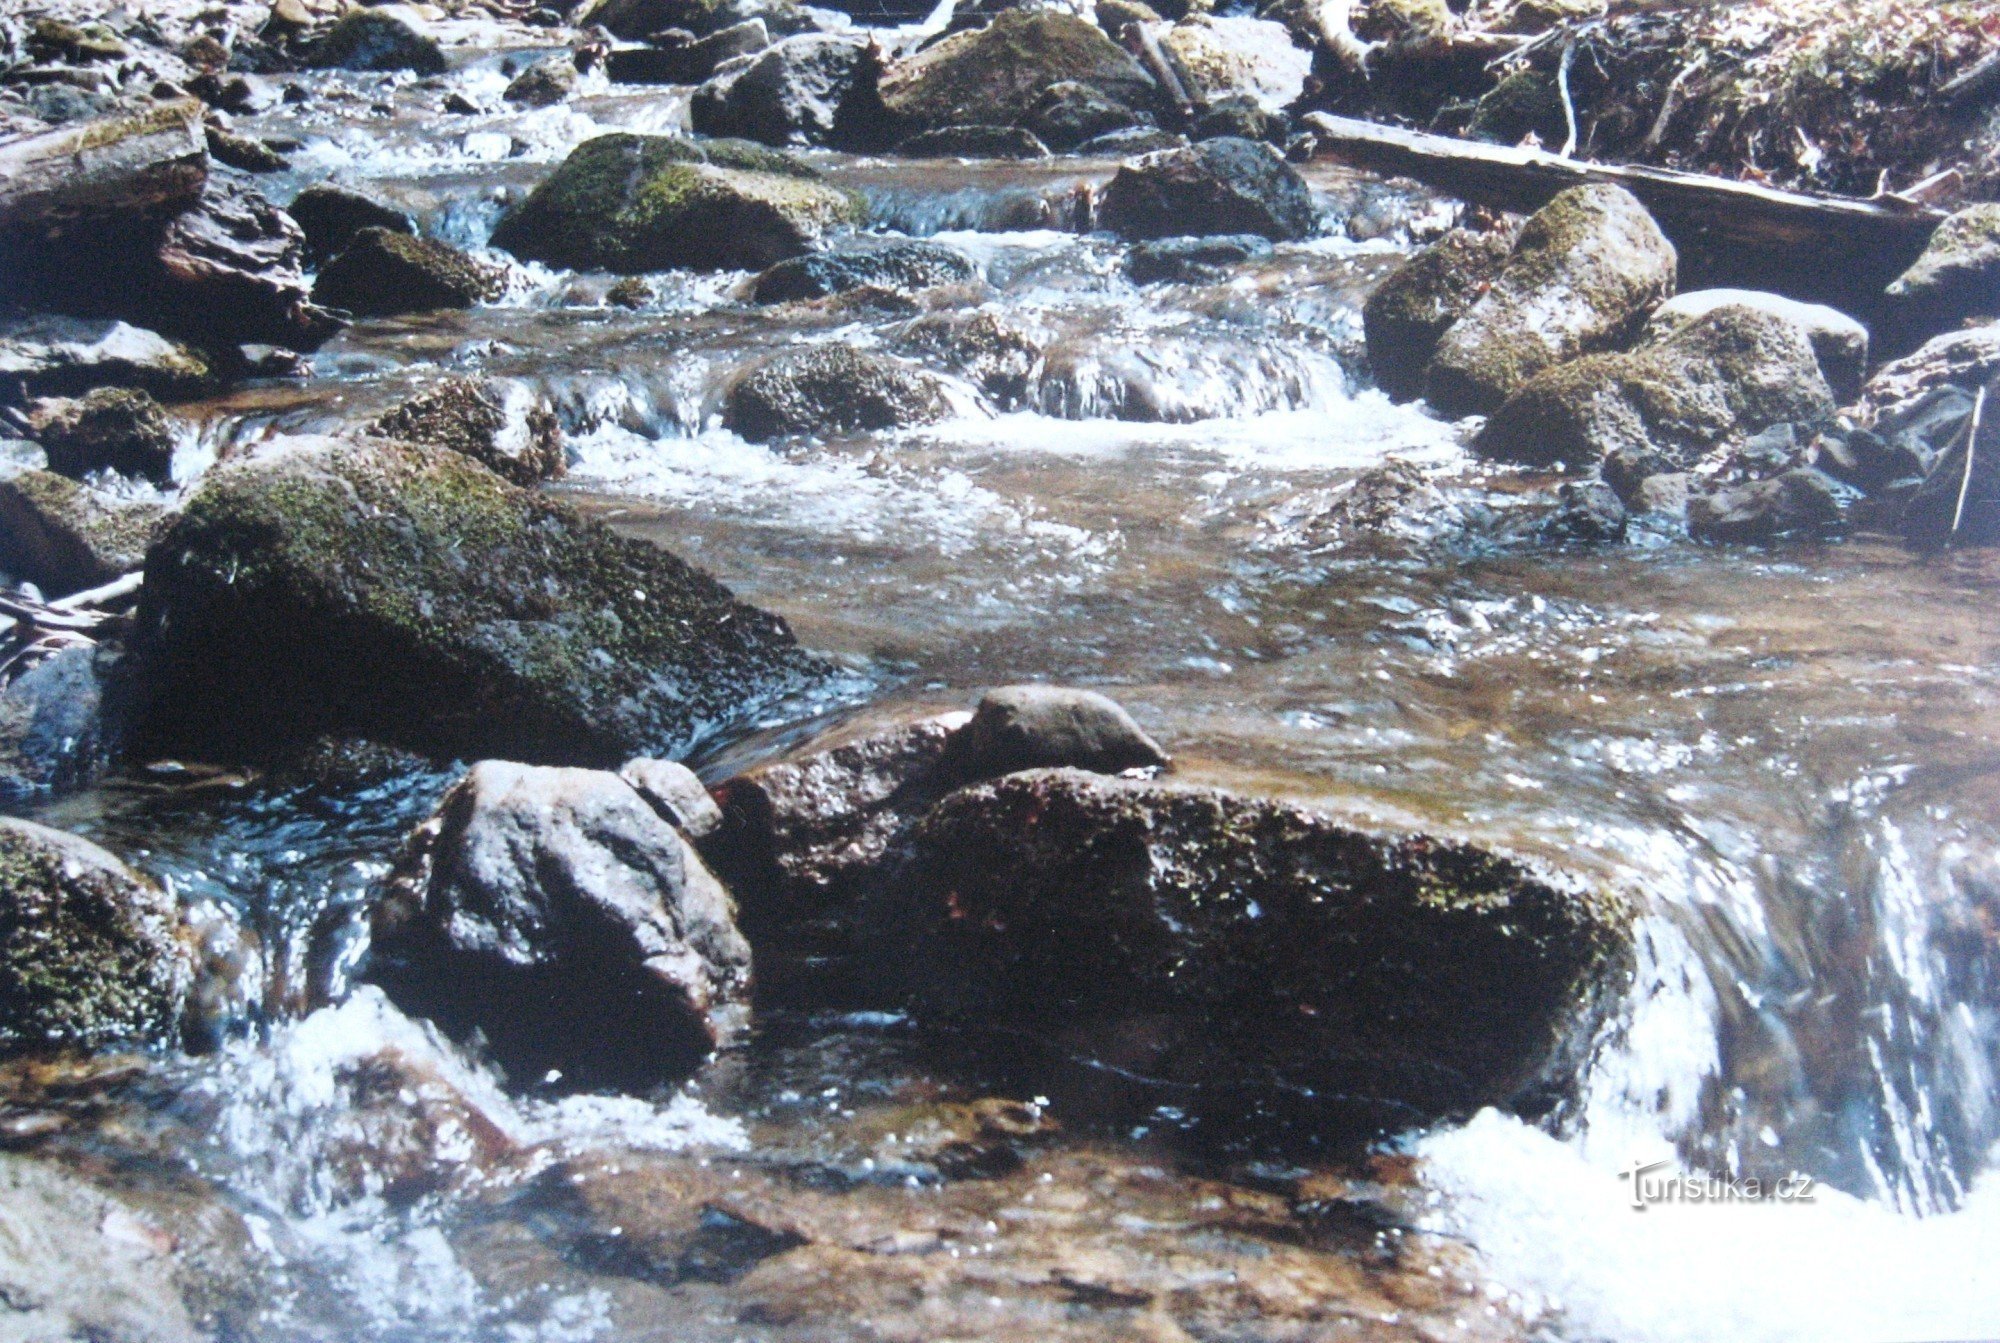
[1192,260]
[637,203]
[92,956]
[902,265]
[1229,58]
[1839,341]
[331,215]
[1257,945]
[975,142]
[830,389]
[1967,359]
[555,913]
[61,722]
[1798,503]
[687,59]
[1584,275]
[1068,113]
[408,595]
[635,19]
[1957,277]
[1043,727]
[999,74]
[547,82]
[1730,374]
[231,272]
[499,423]
[48,355]
[987,350]
[675,793]
[65,537]
[111,429]
[382,273]
[390,37]
[1218,186]
[1589,511]
[1410,311]
[793,93]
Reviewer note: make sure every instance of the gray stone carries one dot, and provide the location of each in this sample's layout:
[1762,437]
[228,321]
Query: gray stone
[61,722]
[65,537]
[830,389]
[49,355]
[675,793]
[1192,260]
[391,37]
[792,93]
[381,273]
[1840,342]
[902,265]
[1798,503]
[1957,277]
[1044,726]
[1218,186]
[331,215]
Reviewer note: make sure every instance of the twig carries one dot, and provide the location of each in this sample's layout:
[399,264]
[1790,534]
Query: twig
[1569,105]
[104,596]
[44,616]
[1667,104]
[1971,443]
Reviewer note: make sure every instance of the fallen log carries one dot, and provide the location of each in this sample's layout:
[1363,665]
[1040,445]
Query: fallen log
[1821,249]
[148,164]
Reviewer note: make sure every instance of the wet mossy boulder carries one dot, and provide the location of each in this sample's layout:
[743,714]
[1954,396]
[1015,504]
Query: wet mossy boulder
[65,537]
[1240,945]
[903,265]
[408,595]
[997,75]
[831,389]
[110,429]
[1410,311]
[1068,113]
[1224,186]
[50,355]
[637,203]
[388,38]
[1957,277]
[1588,269]
[1839,341]
[992,353]
[1728,375]
[382,273]
[92,955]
[501,424]
[331,215]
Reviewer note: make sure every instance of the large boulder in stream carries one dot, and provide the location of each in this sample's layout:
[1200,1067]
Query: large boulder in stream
[1957,277]
[555,912]
[1584,275]
[92,955]
[637,203]
[1410,311]
[831,389]
[408,595]
[794,93]
[1250,946]
[1225,185]
[383,272]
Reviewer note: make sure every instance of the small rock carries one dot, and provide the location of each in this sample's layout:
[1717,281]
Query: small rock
[1626,469]
[1410,311]
[111,429]
[1591,511]
[1840,342]
[998,357]
[547,82]
[975,142]
[792,93]
[631,292]
[1200,260]
[675,793]
[243,152]
[387,38]
[61,723]
[830,389]
[498,423]
[381,273]
[331,215]
[635,19]
[1799,503]
[53,40]
[1957,277]
[64,537]
[904,265]
[1243,119]
[1871,461]
[232,91]
[1219,186]
[1069,113]
[1044,727]
[1527,102]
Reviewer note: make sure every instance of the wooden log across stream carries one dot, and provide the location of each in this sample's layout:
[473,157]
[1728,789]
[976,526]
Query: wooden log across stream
[1822,249]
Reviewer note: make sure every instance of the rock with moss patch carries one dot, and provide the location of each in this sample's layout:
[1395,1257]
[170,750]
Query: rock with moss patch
[383,273]
[996,75]
[831,389]
[637,203]
[111,429]
[500,423]
[905,265]
[1258,947]
[65,537]
[1404,20]
[1226,185]
[1525,102]
[794,93]
[547,82]
[330,215]
[409,595]
[391,37]
[1584,275]
[1957,277]
[1839,342]
[1410,311]
[1728,375]
[50,355]
[1068,113]
[92,955]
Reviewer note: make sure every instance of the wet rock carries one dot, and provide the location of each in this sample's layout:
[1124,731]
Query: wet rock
[1243,119]
[904,266]
[49,355]
[1237,58]
[500,424]
[547,82]
[1043,726]
[1957,277]
[1201,260]
[1069,113]
[391,37]
[409,595]
[1958,503]
[1130,140]
[1115,16]
[381,273]
[1798,503]
[1264,945]
[232,273]
[1734,372]
[1527,102]
[332,215]
[53,40]
[1967,359]
[91,954]
[1874,461]
[1590,510]
[61,722]
[65,537]
[675,793]
[234,92]
[1626,469]
[830,389]
[999,74]
[556,913]
[1840,342]
[983,347]
[1410,311]
[111,429]
[635,19]
[1583,276]
[245,153]
[975,142]
[638,203]
[1218,186]
[688,60]
[794,93]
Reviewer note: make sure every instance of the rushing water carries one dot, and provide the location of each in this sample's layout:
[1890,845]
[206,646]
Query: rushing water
[1791,758]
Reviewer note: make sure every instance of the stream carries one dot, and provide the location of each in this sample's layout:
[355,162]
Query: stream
[1195,502]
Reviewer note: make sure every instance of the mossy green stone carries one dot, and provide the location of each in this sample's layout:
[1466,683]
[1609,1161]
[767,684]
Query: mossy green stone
[994,76]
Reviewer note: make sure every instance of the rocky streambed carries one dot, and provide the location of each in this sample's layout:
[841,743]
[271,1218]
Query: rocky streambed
[741,672]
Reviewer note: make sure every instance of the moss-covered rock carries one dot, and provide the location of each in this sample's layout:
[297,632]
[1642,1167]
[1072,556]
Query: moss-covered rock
[544,84]
[51,355]
[1730,374]
[1957,277]
[112,428]
[831,389]
[1243,944]
[635,203]
[1525,101]
[409,595]
[1403,20]
[91,954]
[1585,273]
[381,273]
[64,537]
[1069,113]
[1224,186]
[331,215]
[389,38]
[1410,311]
[1839,341]
[500,424]
[992,353]
[996,75]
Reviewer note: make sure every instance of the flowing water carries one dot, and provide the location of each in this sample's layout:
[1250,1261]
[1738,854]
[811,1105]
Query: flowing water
[1791,758]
